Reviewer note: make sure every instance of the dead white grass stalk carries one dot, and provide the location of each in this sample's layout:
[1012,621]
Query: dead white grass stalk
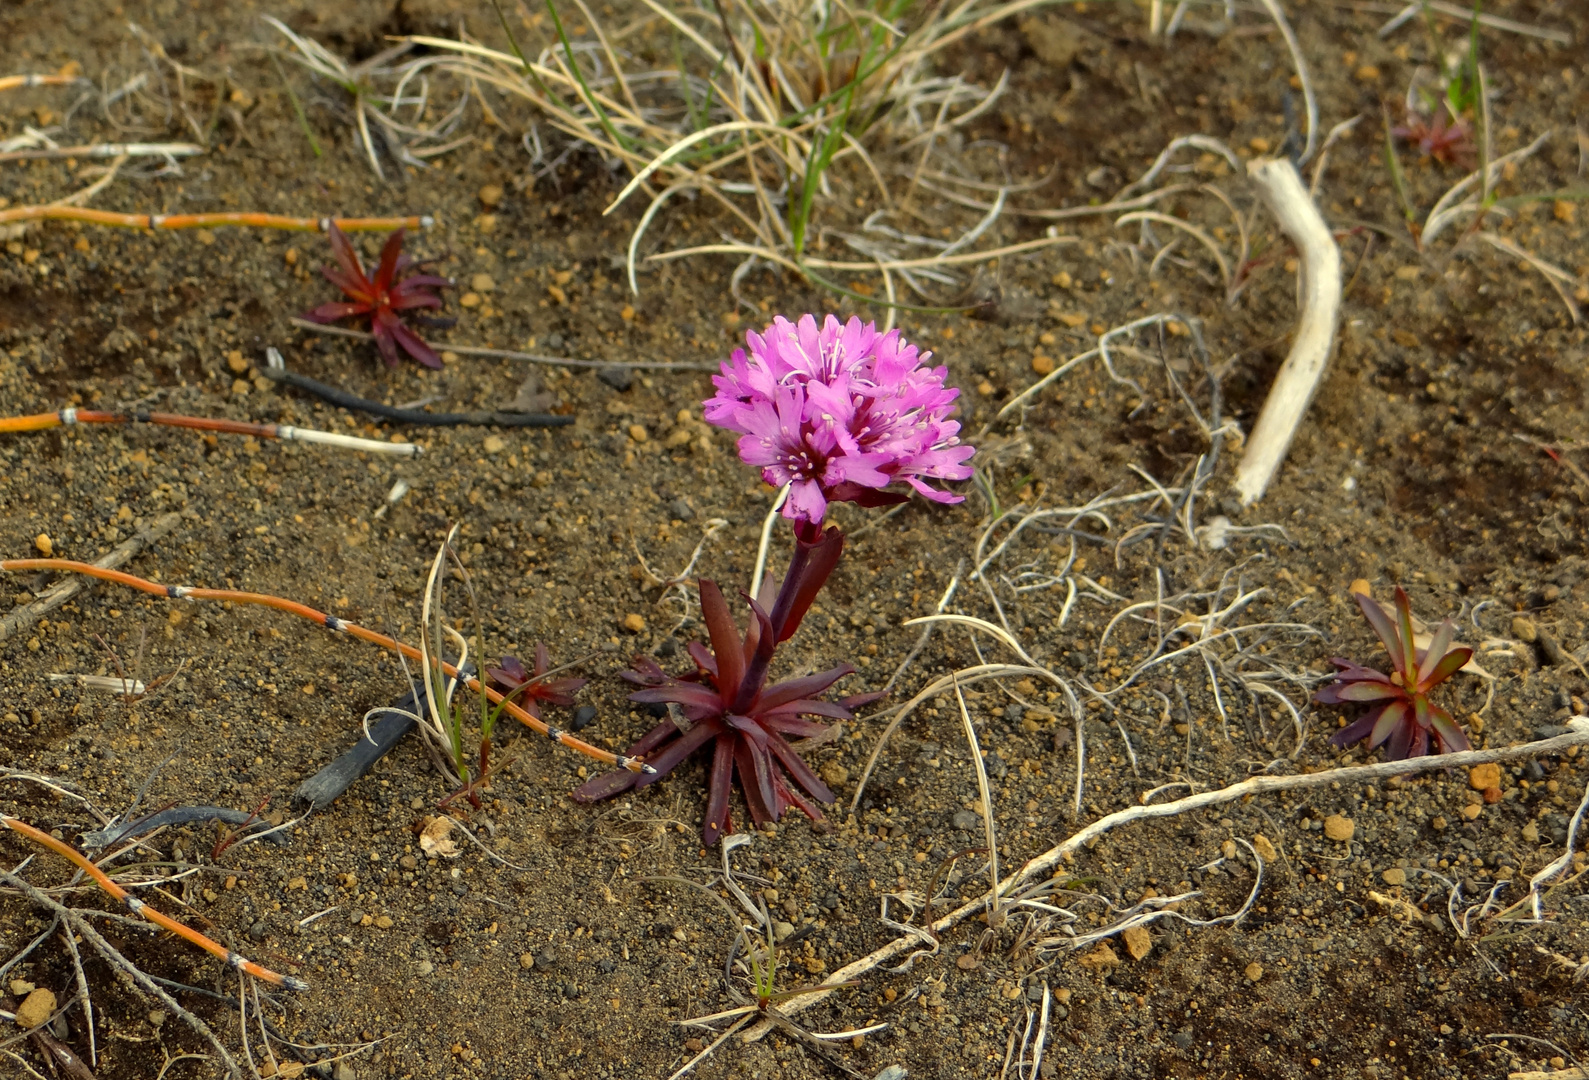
[1042,865]
[1282,190]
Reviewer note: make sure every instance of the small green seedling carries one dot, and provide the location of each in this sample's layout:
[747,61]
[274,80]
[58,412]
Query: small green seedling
[450,723]
[762,955]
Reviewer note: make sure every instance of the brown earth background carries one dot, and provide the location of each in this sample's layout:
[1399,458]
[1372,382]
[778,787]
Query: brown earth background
[1419,464]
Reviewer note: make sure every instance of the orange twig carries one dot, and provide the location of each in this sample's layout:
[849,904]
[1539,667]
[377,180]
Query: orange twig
[56,211]
[16,82]
[138,907]
[330,622]
[284,432]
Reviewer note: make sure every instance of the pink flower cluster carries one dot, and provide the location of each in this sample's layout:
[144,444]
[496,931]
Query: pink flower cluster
[839,412]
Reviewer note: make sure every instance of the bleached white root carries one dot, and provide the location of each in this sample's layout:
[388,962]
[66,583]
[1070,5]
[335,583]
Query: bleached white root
[1283,192]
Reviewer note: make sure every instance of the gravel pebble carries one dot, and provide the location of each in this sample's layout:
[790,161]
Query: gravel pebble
[1138,942]
[35,1008]
[966,821]
[1339,828]
[1395,876]
[619,378]
[1482,777]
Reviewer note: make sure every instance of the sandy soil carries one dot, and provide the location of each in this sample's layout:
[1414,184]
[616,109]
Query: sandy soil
[1419,465]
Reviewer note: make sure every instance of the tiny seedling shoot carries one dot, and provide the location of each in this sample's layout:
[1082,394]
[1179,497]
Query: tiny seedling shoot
[392,290]
[446,722]
[1400,715]
[832,412]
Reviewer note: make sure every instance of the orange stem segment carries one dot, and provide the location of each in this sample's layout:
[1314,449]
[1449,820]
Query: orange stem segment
[139,908]
[15,82]
[58,212]
[330,622]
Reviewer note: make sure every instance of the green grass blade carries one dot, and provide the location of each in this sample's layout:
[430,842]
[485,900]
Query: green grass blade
[297,107]
[602,118]
[513,43]
[1398,179]
[821,156]
[1473,77]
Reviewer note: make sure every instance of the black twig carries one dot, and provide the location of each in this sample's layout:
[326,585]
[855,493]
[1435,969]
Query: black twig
[175,815]
[344,399]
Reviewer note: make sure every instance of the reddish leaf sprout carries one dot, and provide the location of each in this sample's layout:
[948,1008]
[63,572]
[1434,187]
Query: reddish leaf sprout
[1400,716]
[726,703]
[530,689]
[381,297]
[1450,143]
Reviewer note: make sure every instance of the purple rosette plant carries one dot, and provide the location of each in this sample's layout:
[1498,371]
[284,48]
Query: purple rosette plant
[835,412]
[1400,714]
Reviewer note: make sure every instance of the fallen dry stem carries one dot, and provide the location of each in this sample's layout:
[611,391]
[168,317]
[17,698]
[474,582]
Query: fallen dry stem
[1559,279]
[103,150]
[28,614]
[1466,17]
[81,926]
[1577,736]
[64,212]
[986,797]
[1282,190]
[513,354]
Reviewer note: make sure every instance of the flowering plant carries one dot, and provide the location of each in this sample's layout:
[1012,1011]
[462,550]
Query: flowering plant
[837,413]
[726,701]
